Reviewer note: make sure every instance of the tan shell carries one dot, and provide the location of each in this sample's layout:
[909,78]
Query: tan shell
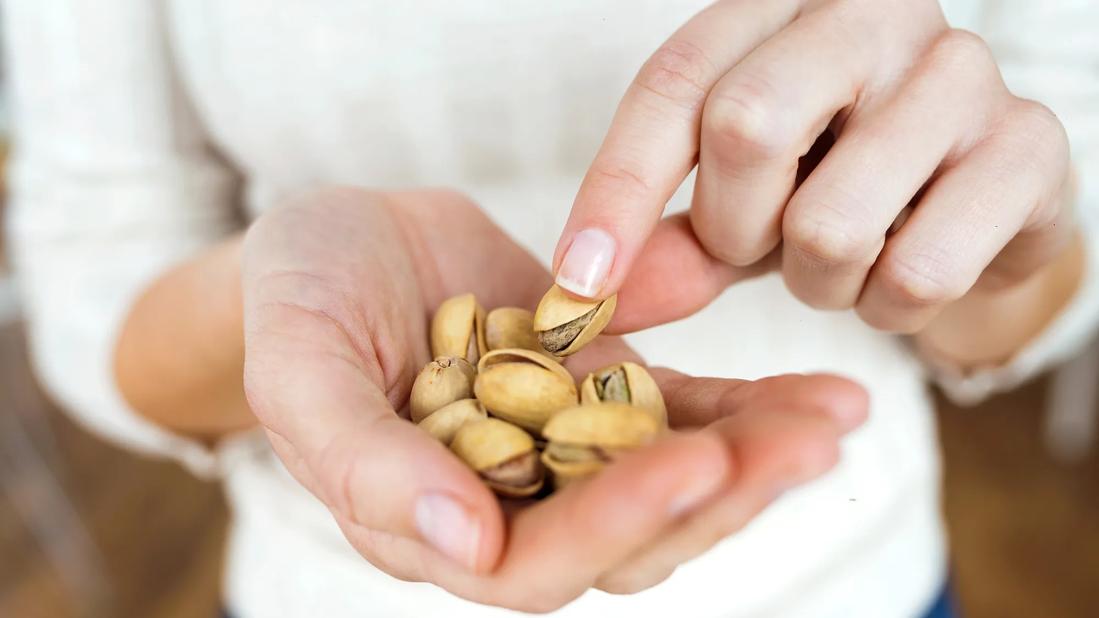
[639,385]
[490,444]
[511,327]
[591,435]
[444,423]
[458,329]
[442,381]
[523,392]
[520,355]
[557,309]
[610,426]
[564,472]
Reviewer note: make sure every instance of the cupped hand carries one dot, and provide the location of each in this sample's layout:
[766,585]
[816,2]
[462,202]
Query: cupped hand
[864,147]
[338,288]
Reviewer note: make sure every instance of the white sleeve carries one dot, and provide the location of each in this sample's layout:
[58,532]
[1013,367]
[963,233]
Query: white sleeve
[111,183]
[1049,52]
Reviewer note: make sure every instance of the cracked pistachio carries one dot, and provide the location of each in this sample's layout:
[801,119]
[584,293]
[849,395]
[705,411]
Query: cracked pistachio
[564,325]
[625,383]
[511,327]
[503,455]
[523,387]
[444,423]
[584,438]
[444,380]
[458,329]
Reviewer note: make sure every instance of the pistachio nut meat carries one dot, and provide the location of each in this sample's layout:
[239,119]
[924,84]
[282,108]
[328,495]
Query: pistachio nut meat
[443,424]
[584,438]
[625,383]
[565,325]
[502,454]
[458,329]
[442,381]
[523,387]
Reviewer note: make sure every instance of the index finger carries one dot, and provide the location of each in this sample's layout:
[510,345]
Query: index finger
[653,142]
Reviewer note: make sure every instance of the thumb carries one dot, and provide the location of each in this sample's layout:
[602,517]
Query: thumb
[674,277]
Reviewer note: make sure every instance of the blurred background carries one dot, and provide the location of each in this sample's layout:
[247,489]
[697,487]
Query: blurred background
[89,530]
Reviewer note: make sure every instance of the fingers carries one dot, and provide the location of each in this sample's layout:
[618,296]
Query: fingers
[558,548]
[761,118]
[835,225]
[966,218]
[674,277]
[774,448]
[653,142]
[696,402]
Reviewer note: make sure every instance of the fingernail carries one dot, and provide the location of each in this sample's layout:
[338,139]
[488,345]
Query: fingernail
[587,262]
[448,527]
[695,493]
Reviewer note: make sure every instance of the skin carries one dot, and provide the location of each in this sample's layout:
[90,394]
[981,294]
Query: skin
[863,148]
[934,199]
[329,281]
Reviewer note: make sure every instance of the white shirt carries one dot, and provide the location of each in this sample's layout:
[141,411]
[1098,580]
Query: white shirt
[139,123]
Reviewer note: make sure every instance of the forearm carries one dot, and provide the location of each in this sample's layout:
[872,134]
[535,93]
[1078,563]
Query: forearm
[180,355]
[987,328]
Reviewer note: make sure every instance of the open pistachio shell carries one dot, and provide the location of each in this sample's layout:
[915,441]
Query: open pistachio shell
[564,325]
[445,422]
[502,454]
[511,327]
[626,383]
[442,381]
[584,438]
[458,329]
[524,387]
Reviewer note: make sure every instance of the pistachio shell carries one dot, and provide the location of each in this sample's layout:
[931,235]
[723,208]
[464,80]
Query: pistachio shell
[458,328]
[503,454]
[511,327]
[520,355]
[445,422]
[609,426]
[564,472]
[627,383]
[524,393]
[564,325]
[442,381]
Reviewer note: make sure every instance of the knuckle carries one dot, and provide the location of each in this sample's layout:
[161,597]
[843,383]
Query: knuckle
[743,119]
[620,175]
[922,280]
[962,46]
[824,240]
[724,243]
[677,72]
[1042,131]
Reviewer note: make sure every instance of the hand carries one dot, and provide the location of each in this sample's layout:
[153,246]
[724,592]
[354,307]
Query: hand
[864,147]
[338,287]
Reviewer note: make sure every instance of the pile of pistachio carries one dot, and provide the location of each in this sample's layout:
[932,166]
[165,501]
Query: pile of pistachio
[499,397]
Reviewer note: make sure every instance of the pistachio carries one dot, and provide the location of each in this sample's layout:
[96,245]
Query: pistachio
[523,387]
[502,454]
[626,383]
[458,329]
[564,325]
[584,438]
[445,422]
[442,381]
[511,327]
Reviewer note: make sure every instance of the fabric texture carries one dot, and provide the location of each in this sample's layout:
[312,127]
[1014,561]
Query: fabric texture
[143,127]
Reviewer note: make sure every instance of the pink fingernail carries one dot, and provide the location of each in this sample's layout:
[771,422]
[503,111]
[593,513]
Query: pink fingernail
[587,262]
[448,527]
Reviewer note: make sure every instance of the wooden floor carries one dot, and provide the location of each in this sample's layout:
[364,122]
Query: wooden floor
[87,530]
